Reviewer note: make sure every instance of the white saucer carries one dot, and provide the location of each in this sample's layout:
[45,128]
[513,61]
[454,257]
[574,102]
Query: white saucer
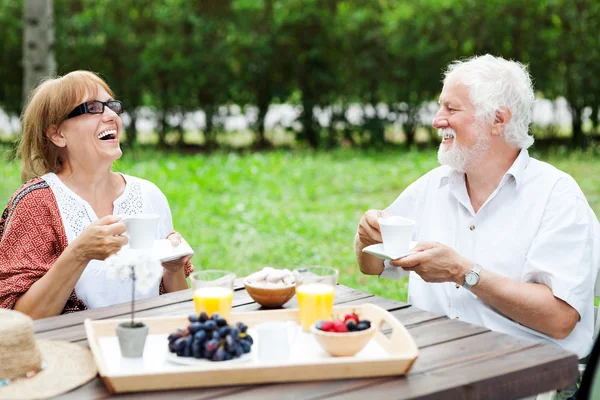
[165,251]
[377,251]
[174,358]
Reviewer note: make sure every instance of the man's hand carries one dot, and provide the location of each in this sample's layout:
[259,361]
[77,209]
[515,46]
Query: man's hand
[368,227]
[436,262]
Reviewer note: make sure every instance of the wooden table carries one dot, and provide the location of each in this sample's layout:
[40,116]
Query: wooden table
[456,359]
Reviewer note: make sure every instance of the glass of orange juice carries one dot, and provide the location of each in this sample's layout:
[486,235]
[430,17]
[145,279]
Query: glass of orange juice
[315,287]
[213,291]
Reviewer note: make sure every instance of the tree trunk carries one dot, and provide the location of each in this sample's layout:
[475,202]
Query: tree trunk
[578,136]
[263,108]
[38,39]
[311,134]
[162,132]
[409,131]
[131,138]
[208,130]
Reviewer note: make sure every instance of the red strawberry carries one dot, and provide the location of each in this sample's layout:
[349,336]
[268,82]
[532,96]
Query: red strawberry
[352,317]
[327,326]
[339,326]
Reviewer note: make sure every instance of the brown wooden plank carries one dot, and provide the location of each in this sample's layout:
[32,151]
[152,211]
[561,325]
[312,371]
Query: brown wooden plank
[442,330]
[95,390]
[76,333]
[413,316]
[482,346]
[61,321]
[514,375]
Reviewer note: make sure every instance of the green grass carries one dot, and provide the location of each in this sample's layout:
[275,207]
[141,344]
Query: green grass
[289,209]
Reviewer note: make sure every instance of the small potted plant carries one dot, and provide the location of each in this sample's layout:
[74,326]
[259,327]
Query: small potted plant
[143,269]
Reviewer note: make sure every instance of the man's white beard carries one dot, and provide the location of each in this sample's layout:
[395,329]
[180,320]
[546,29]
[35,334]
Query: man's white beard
[458,157]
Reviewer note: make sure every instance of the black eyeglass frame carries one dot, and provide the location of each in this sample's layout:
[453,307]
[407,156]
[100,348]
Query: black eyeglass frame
[83,108]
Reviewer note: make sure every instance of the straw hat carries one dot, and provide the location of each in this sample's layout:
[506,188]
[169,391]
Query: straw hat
[31,369]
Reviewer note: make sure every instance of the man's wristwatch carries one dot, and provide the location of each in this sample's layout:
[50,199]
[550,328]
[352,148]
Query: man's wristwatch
[472,277]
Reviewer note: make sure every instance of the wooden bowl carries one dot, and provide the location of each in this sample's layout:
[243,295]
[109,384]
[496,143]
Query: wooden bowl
[270,297]
[343,344]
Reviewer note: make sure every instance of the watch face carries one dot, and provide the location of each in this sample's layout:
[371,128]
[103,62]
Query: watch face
[471,278]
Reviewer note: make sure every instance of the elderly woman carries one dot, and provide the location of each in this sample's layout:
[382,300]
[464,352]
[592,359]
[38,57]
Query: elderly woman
[61,225]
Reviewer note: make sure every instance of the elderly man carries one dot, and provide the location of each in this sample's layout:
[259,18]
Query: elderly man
[504,241]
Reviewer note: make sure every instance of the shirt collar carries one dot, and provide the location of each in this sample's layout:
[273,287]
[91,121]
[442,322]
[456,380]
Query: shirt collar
[517,171]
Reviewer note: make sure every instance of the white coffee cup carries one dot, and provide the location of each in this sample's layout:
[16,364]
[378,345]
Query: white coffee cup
[396,233]
[275,340]
[141,230]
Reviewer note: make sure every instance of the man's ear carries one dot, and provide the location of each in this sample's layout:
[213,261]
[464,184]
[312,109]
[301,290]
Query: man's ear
[56,136]
[502,118]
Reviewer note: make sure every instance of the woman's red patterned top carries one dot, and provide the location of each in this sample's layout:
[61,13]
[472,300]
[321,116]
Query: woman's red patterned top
[32,237]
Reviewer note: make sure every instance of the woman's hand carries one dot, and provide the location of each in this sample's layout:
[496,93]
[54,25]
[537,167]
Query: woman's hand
[174,271]
[178,265]
[100,239]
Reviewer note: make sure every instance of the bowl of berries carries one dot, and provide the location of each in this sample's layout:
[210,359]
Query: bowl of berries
[271,287]
[343,337]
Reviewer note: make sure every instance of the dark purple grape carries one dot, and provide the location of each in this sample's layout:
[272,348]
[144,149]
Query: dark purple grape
[175,335]
[215,316]
[234,333]
[238,350]
[352,327]
[248,338]
[195,327]
[196,349]
[193,318]
[229,344]
[216,335]
[219,355]
[210,325]
[211,345]
[228,356]
[223,331]
[221,322]
[242,327]
[203,316]
[179,344]
[245,346]
[200,336]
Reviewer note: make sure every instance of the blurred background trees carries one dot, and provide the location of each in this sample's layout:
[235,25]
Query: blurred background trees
[385,57]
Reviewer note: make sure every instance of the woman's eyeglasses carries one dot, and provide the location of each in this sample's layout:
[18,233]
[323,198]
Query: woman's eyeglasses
[96,107]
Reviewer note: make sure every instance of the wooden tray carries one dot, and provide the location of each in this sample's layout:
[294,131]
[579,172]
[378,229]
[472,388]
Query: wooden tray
[383,356]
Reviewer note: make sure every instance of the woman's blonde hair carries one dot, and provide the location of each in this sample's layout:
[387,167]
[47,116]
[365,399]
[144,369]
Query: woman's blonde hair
[49,105]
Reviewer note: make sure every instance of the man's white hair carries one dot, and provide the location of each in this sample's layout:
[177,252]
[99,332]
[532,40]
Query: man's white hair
[494,82]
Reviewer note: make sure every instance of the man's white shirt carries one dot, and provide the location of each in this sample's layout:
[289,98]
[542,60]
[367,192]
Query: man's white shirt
[535,227]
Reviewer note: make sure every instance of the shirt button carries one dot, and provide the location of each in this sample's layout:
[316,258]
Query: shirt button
[472,227]
[457,286]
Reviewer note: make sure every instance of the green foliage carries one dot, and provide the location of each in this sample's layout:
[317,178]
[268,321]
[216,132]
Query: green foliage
[178,56]
[284,209]
[11,54]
